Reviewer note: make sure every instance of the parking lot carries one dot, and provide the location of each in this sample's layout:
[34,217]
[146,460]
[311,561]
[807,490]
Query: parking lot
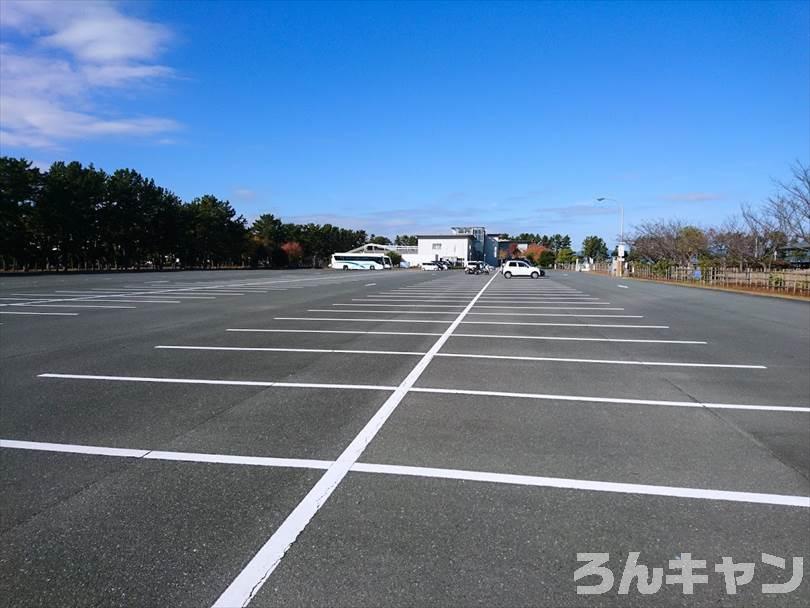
[393,438]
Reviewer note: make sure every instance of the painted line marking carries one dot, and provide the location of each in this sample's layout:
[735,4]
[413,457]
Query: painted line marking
[71,449]
[457,355]
[540,324]
[414,471]
[336,331]
[553,314]
[616,400]
[261,566]
[456,335]
[583,484]
[529,323]
[452,312]
[552,307]
[573,339]
[49,314]
[18,298]
[500,301]
[606,361]
[262,461]
[130,301]
[291,350]
[402,305]
[398,312]
[370,284]
[69,306]
[369,387]
[362,320]
[103,297]
[477,306]
[623,286]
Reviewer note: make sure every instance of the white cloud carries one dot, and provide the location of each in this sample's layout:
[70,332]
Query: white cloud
[65,52]
[244,194]
[693,197]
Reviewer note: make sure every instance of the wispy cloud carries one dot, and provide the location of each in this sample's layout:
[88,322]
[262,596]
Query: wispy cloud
[244,194]
[692,197]
[61,55]
[424,219]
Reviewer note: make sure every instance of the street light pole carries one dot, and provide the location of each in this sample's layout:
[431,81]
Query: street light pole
[621,230]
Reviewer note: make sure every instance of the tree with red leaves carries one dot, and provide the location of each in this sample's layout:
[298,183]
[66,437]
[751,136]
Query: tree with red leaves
[293,251]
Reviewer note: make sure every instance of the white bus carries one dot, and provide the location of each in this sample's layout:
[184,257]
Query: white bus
[361,261]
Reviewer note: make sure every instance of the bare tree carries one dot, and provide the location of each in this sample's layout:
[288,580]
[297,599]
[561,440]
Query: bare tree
[787,212]
[733,244]
[669,240]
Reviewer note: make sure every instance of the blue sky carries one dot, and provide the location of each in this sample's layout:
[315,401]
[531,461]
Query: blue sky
[413,117]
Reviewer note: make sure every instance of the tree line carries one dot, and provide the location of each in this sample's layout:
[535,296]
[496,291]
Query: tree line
[756,238]
[80,217]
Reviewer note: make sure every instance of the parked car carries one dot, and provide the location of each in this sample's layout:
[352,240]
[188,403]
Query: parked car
[430,266]
[476,267]
[521,268]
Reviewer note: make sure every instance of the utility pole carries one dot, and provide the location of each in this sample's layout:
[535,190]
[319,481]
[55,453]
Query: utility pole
[620,269]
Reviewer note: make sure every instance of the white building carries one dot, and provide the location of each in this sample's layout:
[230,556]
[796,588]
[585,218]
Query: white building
[462,245]
[457,248]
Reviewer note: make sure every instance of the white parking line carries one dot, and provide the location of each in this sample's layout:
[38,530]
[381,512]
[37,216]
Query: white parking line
[359,302]
[526,323]
[606,361]
[555,314]
[456,335]
[363,320]
[262,461]
[601,308]
[500,301]
[584,484]
[69,306]
[540,296]
[71,449]
[616,400]
[292,350]
[377,312]
[457,355]
[378,304]
[83,295]
[540,324]
[335,331]
[50,314]
[623,286]
[452,312]
[428,472]
[572,339]
[369,387]
[128,301]
[250,580]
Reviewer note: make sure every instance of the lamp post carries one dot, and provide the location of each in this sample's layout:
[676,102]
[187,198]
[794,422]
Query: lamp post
[602,199]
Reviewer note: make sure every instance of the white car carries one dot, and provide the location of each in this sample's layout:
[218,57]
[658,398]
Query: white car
[430,266]
[520,268]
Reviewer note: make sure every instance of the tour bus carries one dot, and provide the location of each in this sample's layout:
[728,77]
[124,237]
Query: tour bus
[361,261]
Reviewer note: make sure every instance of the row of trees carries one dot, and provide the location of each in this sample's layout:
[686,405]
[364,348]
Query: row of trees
[75,216]
[754,239]
[539,254]
[553,242]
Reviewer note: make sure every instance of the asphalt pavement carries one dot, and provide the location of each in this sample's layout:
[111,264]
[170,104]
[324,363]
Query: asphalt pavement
[278,438]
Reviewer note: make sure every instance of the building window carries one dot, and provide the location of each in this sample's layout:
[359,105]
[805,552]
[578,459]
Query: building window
[437,246]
